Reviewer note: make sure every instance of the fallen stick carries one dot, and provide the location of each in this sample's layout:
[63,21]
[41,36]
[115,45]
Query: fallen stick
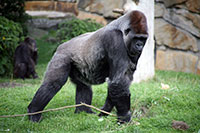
[56,109]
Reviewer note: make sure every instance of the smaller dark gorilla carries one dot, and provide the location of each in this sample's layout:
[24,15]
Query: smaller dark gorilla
[25,59]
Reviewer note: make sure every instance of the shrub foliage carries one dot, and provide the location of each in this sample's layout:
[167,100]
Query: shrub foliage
[13,10]
[10,35]
[75,27]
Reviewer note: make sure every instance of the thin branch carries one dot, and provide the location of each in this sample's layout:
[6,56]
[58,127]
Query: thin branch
[56,109]
[100,110]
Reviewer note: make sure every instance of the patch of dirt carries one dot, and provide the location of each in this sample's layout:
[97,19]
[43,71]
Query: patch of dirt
[9,85]
[180,125]
[144,110]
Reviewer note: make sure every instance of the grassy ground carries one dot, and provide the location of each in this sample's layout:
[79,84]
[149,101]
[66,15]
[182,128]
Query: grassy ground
[153,108]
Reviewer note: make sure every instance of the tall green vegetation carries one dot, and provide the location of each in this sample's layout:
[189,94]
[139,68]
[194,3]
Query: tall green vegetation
[12,30]
[11,34]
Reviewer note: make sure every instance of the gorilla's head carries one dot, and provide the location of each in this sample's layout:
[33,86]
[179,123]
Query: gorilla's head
[136,34]
[31,43]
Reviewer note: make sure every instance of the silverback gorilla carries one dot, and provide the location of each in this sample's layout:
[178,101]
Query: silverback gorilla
[111,52]
[25,59]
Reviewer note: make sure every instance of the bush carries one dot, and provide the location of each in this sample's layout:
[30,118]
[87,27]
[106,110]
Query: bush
[75,27]
[10,35]
[13,10]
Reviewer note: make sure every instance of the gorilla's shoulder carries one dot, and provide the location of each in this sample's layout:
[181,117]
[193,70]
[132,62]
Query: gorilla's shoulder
[111,34]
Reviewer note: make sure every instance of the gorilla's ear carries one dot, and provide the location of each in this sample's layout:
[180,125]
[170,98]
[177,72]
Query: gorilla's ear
[127,31]
[138,22]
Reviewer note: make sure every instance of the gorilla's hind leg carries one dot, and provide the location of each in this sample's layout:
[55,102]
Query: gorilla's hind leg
[83,95]
[55,77]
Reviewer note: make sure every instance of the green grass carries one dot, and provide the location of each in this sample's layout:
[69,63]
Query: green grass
[181,102]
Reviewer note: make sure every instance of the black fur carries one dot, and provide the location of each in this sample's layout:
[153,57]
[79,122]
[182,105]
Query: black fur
[111,52]
[25,59]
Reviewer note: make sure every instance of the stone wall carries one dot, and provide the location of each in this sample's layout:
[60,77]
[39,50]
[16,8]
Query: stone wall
[97,9]
[61,6]
[177,35]
[101,7]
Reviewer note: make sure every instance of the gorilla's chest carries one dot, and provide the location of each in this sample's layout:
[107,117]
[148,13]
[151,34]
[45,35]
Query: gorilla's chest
[94,74]
[90,68]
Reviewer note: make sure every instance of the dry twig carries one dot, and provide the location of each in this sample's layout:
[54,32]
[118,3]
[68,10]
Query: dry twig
[56,109]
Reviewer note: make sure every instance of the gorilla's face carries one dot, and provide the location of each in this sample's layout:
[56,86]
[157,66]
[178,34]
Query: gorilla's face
[31,43]
[134,42]
[137,44]
[135,35]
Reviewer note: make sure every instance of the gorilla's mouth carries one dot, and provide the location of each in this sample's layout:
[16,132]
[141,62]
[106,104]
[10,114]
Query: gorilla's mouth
[134,54]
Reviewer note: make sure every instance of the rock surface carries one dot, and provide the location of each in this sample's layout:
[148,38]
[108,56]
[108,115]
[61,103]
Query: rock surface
[177,18]
[176,61]
[168,35]
[159,10]
[36,33]
[193,5]
[97,18]
[198,68]
[102,7]
[194,18]
[50,14]
[45,23]
[177,35]
[169,3]
[61,6]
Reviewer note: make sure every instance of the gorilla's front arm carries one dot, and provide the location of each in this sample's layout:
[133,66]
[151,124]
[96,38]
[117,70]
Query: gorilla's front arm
[120,76]
[111,52]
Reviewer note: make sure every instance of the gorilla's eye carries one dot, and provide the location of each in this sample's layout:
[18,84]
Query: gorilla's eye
[127,31]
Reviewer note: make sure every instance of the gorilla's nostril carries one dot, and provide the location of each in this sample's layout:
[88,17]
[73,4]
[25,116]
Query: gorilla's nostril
[139,43]
[139,46]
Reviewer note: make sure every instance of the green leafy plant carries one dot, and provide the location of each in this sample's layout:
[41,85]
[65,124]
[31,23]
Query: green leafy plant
[13,10]
[75,27]
[11,34]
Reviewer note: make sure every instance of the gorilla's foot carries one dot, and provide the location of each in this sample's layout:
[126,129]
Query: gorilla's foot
[35,76]
[124,118]
[35,118]
[102,114]
[84,109]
